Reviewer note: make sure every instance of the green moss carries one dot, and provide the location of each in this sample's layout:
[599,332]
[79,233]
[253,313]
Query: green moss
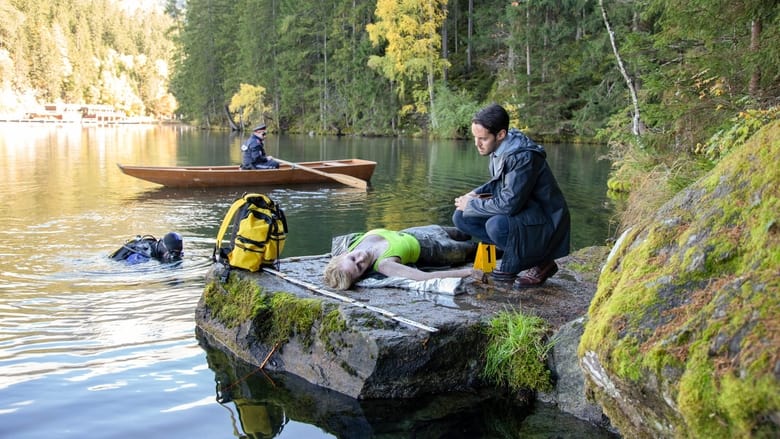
[610,275]
[659,357]
[694,290]
[332,323]
[626,364]
[349,369]
[718,401]
[614,184]
[516,352]
[287,316]
[277,317]
[697,399]
[742,408]
[234,302]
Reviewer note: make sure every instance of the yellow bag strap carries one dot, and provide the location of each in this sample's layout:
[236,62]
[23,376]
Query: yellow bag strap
[227,220]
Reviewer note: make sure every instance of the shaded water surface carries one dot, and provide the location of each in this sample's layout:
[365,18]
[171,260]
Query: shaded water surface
[93,348]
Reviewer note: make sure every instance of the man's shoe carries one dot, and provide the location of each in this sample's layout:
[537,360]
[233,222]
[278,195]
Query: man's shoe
[502,276]
[536,275]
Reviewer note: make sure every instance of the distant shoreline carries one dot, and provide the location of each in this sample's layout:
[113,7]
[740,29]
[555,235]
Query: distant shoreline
[92,114]
[5,119]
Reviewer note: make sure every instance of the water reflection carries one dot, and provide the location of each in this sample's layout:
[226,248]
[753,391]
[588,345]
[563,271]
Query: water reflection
[88,344]
[97,319]
[266,403]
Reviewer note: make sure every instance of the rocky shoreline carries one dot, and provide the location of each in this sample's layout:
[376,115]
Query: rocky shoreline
[379,348]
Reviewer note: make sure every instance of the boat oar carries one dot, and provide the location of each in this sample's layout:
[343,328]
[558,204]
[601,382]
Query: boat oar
[341,178]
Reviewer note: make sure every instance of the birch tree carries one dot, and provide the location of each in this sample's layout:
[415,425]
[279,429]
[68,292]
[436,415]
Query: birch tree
[637,127]
[412,56]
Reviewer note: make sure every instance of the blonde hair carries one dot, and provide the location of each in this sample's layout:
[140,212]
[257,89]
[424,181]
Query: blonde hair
[334,276]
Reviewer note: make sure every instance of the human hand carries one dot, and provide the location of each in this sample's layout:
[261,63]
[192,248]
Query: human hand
[462,201]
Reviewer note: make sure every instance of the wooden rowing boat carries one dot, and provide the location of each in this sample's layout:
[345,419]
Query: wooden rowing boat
[224,176]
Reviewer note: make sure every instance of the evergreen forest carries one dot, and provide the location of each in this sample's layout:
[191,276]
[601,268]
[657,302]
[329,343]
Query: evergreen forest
[665,82]
[86,52]
[392,67]
[423,66]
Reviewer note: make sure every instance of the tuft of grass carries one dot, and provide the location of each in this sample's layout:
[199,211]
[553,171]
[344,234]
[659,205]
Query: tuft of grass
[516,351]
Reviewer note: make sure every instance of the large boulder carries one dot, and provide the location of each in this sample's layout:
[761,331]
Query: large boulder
[683,334]
[378,343]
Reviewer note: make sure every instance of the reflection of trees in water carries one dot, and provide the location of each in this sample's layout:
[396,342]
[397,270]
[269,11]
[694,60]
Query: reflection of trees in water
[266,402]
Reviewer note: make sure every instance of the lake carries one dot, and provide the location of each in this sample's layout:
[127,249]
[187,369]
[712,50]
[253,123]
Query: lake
[93,348]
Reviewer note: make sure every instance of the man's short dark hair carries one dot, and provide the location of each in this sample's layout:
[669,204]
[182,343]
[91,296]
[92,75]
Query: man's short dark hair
[493,117]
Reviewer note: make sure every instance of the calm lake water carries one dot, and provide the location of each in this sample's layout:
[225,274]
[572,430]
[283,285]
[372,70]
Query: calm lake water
[90,348]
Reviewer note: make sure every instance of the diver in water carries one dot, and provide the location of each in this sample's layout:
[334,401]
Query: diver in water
[143,248]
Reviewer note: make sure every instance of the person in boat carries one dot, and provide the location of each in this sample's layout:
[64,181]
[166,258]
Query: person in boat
[521,209]
[392,253]
[144,248]
[253,151]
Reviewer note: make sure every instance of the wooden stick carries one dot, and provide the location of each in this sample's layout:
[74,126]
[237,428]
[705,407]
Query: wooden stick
[341,178]
[268,357]
[260,368]
[350,301]
[305,258]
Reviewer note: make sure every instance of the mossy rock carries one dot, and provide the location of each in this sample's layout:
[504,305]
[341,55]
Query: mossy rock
[275,317]
[683,336]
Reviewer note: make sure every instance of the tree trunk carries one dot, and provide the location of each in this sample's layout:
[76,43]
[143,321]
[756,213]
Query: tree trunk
[324,108]
[444,49]
[528,48]
[755,44]
[233,125]
[468,39]
[456,24]
[434,122]
[637,126]
[277,94]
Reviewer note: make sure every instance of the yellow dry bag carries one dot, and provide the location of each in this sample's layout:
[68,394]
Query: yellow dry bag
[259,229]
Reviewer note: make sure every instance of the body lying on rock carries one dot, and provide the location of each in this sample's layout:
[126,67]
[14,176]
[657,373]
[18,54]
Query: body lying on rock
[391,253]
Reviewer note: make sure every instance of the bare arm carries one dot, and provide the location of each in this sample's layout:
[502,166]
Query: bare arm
[391,267]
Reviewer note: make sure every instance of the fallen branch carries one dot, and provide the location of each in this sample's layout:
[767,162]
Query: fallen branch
[268,357]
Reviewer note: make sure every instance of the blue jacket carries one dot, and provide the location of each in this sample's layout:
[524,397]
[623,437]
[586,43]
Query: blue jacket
[523,188]
[253,152]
